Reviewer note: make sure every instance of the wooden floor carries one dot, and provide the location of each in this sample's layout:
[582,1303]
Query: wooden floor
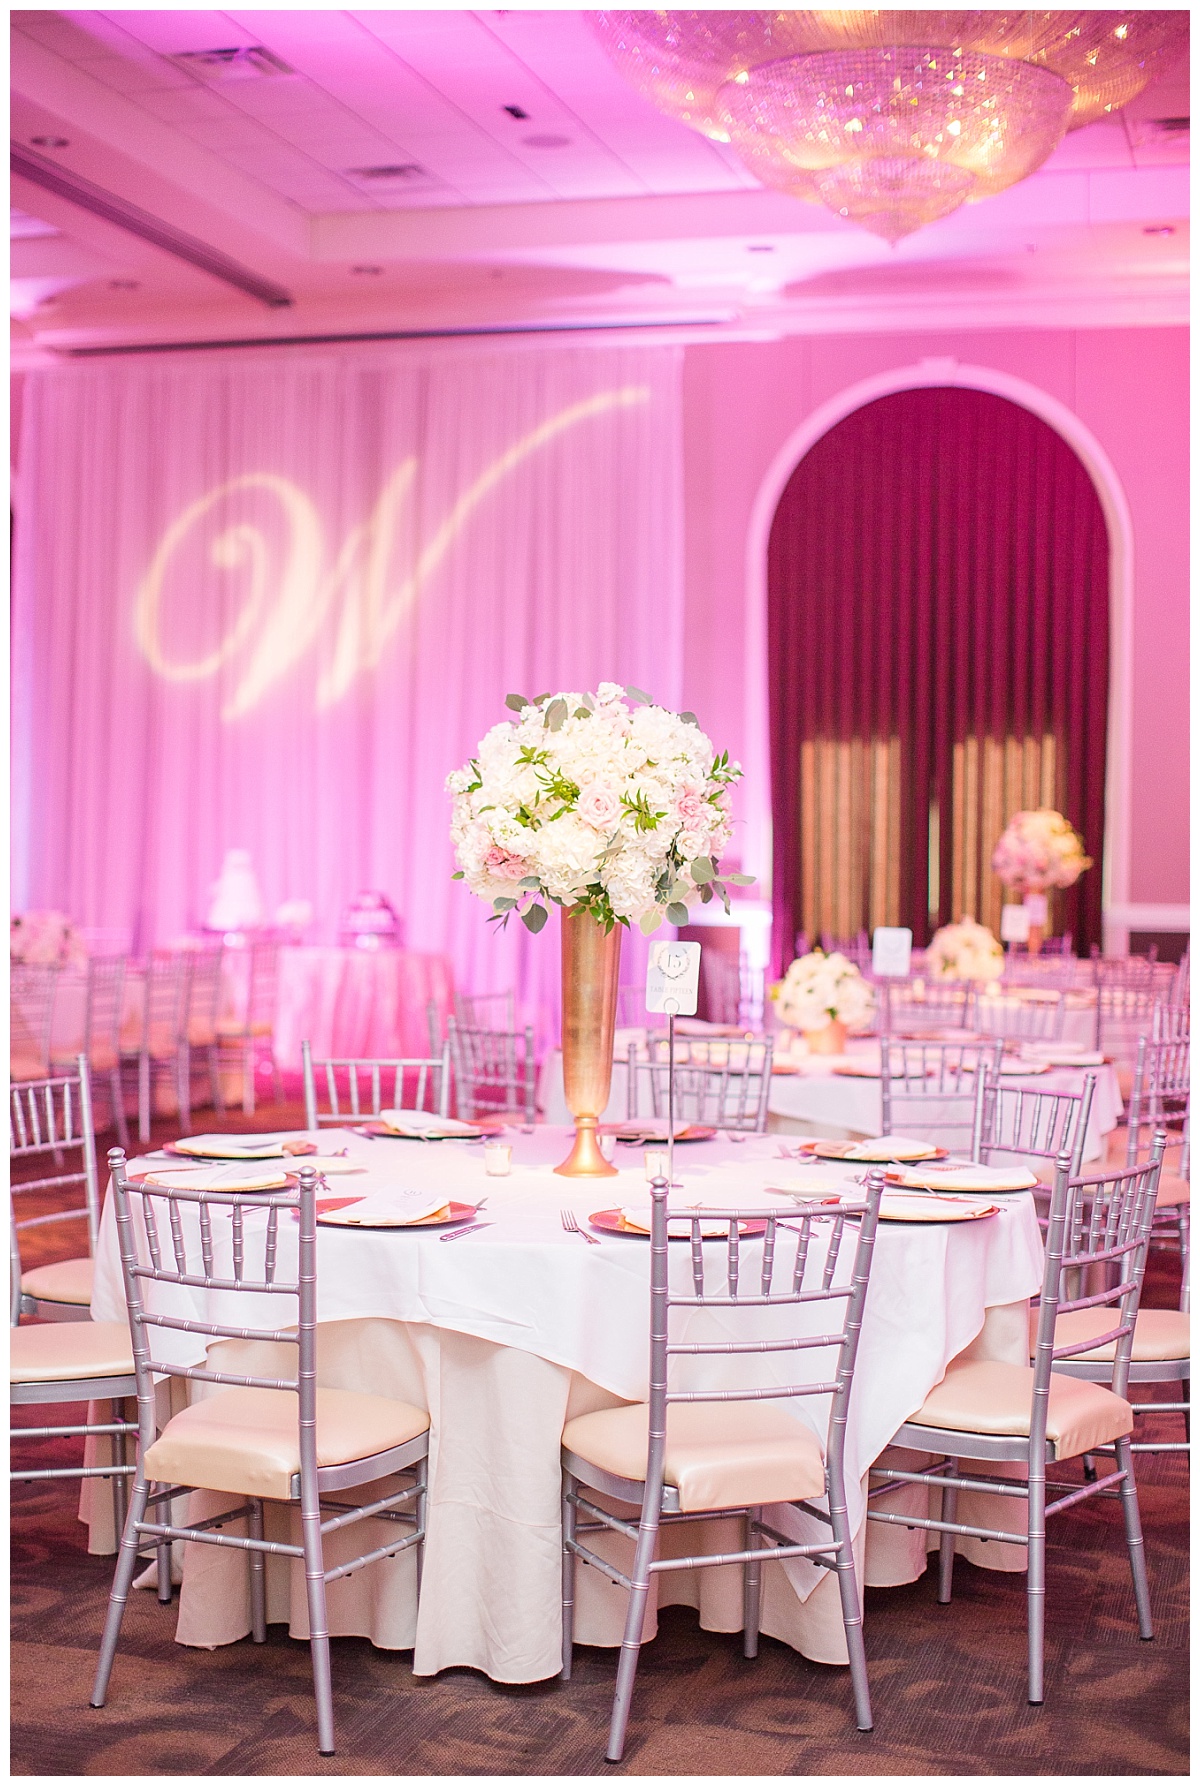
[947,1682]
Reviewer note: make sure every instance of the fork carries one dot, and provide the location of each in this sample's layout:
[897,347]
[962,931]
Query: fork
[572,1227]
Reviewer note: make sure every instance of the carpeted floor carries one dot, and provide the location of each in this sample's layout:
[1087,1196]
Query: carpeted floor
[947,1682]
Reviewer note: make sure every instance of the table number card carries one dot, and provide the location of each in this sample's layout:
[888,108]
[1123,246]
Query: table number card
[1037,908]
[673,978]
[1014,924]
[891,952]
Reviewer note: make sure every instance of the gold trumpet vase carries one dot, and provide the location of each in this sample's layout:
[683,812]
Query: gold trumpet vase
[829,1039]
[590,963]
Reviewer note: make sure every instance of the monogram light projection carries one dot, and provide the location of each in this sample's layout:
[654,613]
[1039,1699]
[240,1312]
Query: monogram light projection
[287,589]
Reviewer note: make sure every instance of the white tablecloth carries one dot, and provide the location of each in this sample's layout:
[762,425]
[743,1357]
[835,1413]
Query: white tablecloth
[506,1334]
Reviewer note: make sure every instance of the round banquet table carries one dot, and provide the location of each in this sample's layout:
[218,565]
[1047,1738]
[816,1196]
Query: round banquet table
[505,1335]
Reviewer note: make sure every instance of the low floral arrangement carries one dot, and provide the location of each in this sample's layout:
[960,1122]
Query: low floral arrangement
[1039,850]
[602,801]
[964,951]
[45,939]
[819,989]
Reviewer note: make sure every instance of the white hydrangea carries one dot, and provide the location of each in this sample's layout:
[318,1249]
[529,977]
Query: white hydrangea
[819,988]
[603,800]
[964,951]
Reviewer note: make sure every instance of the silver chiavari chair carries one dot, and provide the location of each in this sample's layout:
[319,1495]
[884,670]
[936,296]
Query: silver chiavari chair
[353,1090]
[155,1042]
[1161,1100]
[722,979]
[933,1091]
[32,986]
[102,1034]
[260,1438]
[200,1029]
[1124,1013]
[495,1070]
[241,1038]
[1035,1015]
[855,948]
[914,1007]
[656,1457]
[54,1117]
[994,1413]
[1037,1126]
[721,1083]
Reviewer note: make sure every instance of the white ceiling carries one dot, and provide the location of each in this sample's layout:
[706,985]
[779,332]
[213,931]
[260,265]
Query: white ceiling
[591,207]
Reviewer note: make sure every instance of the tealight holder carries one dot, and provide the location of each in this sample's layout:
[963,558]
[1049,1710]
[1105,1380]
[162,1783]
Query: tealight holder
[497,1159]
[656,1163]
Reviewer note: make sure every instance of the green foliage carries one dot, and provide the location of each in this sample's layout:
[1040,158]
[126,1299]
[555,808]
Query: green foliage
[515,702]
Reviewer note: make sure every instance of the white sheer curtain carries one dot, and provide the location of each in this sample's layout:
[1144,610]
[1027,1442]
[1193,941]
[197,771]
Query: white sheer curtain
[270,601]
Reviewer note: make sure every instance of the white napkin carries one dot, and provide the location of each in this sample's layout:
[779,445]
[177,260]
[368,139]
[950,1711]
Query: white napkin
[890,1147]
[424,1122]
[639,1217]
[969,1177]
[388,1209]
[228,1177]
[234,1147]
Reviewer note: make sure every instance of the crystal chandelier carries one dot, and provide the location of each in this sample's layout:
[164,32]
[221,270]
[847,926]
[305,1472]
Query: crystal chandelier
[892,119]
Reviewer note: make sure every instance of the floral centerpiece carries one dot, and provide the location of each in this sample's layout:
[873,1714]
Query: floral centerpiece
[617,811]
[1039,850]
[45,939]
[824,995]
[600,802]
[964,951]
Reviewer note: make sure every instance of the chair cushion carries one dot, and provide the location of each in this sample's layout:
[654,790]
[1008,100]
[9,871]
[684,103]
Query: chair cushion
[1159,1334]
[986,1397]
[70,1280]
[229,1029]
[719,1454]
[61,1351]
[247,1441]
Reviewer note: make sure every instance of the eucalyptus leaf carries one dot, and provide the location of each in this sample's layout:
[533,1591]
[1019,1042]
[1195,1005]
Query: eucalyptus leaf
[582,713]
[703,870]
[534,918]
[458,875]
[538,699]
[689,719]
[649,922]
[516,702]
[740,880]
[638,696]
[556,713]
[677,913]
[706,894]
[527,882]
[503,905]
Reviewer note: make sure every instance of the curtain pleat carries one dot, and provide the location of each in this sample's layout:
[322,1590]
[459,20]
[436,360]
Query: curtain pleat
[938,609]
[531,540]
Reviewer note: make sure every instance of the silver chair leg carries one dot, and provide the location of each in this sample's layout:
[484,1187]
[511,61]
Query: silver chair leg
[120,1480]
[1133,1537]
[122,1582]
[1036,1587]
[214,1079]
[631,1643]
[568,1580]
[421,1473]
[183,1080]
[1185,1259]
[258,1575]
[143,1096]
[116,1092]
[318,1628]
[163,1553]
[851,1615]
[751,1588]
[946,1548]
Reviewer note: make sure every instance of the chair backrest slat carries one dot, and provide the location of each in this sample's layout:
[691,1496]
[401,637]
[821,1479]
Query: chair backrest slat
[53,1116]
[1038,1124]
[935,1090]
[354,1089]
[723,1083]
[494,1069]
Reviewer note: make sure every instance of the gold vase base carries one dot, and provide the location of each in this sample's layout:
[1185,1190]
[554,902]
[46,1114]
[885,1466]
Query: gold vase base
[585,1159]
[831,1039]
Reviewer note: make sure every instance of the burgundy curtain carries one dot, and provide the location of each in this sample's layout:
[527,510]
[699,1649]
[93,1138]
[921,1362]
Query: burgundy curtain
[938,574]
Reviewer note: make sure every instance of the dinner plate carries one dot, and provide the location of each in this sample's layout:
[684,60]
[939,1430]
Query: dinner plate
[451,1131]
[178,1177]
[337,1212]
[227,1147]
[933,1209]
[611,1221]
[880,1153]
[967,1181]
[632,1132]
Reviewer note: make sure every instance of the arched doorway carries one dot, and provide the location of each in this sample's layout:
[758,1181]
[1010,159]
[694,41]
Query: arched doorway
[937,645]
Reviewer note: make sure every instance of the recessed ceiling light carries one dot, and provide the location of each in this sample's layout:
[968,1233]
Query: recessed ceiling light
[762,247]
[124,284]
[1159,229]
[546,142]
[371,270]
[392,170]
[241,62]
[51,142]
[516,111]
